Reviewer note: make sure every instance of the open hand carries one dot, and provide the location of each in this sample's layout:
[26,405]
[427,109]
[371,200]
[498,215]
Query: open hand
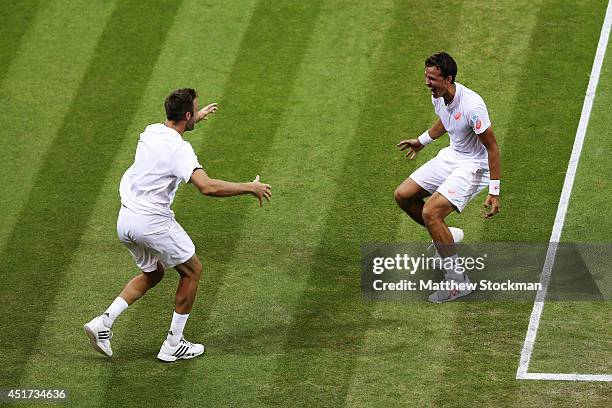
[413,146]
[492,204]
[261,190]
[207,110]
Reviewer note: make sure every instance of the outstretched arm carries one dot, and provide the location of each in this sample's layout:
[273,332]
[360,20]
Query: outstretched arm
[414,145]
[220,188]
[492,201]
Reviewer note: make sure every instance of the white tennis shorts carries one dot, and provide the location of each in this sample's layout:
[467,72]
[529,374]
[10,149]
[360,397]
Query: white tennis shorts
[456,177]
[152,238]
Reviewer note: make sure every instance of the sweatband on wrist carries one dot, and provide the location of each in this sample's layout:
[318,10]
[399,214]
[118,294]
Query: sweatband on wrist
[425,139]
[494,187]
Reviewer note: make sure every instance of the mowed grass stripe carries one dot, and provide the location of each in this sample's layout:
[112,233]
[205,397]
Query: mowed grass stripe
[16,18]
[38,91]
[401,356]
[101,265]
[481,365]
[491,60]
[247,326]
[238,139]
[330,319]
[51,225]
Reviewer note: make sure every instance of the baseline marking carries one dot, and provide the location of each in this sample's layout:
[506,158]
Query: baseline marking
[566,377]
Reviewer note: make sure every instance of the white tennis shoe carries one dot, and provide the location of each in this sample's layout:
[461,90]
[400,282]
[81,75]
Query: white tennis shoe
[183,350]
[453,289]
[99,335]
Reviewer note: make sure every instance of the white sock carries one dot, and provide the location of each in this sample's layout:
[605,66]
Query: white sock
[453,271]
[176,328]
[113,311]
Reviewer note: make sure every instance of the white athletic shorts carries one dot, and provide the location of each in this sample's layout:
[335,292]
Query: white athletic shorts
[456,177]
[152,238]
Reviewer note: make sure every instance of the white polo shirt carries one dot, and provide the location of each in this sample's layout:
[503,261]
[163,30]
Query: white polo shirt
[464,119]
[163,160]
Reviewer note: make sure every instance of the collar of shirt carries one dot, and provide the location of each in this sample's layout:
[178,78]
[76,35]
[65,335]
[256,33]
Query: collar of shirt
[457,98]
[160,128]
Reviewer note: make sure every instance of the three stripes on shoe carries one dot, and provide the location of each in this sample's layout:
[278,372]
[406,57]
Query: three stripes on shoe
[181,351]
[104,335]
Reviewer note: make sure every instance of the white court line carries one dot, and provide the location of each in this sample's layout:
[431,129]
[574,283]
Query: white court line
[555,237]
[566,377]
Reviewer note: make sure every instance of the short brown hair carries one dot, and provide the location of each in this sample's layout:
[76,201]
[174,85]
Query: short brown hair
[445,63]
[179,102]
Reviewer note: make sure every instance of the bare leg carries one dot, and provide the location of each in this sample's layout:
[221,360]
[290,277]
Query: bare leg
[139,285]
[176,347]
[409,196]
[190,272]
[435,211]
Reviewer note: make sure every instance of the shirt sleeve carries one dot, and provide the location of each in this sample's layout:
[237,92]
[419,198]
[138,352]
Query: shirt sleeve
[185,162]
[479,118]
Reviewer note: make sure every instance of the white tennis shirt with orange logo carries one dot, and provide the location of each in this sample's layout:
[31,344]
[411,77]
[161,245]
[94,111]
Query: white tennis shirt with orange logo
[464,119]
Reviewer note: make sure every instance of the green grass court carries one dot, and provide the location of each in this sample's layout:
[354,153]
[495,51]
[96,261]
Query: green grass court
[313,96]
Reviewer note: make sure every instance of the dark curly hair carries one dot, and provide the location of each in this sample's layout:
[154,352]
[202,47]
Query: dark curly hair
[179,102]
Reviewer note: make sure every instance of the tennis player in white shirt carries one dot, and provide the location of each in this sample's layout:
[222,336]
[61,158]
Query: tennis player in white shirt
[458,173]
[148,229]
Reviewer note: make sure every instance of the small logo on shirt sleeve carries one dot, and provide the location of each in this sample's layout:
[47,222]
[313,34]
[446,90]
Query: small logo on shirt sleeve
[475,119]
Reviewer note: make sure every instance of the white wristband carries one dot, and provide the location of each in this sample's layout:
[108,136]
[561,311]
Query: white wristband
[425,139]
[494,187]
